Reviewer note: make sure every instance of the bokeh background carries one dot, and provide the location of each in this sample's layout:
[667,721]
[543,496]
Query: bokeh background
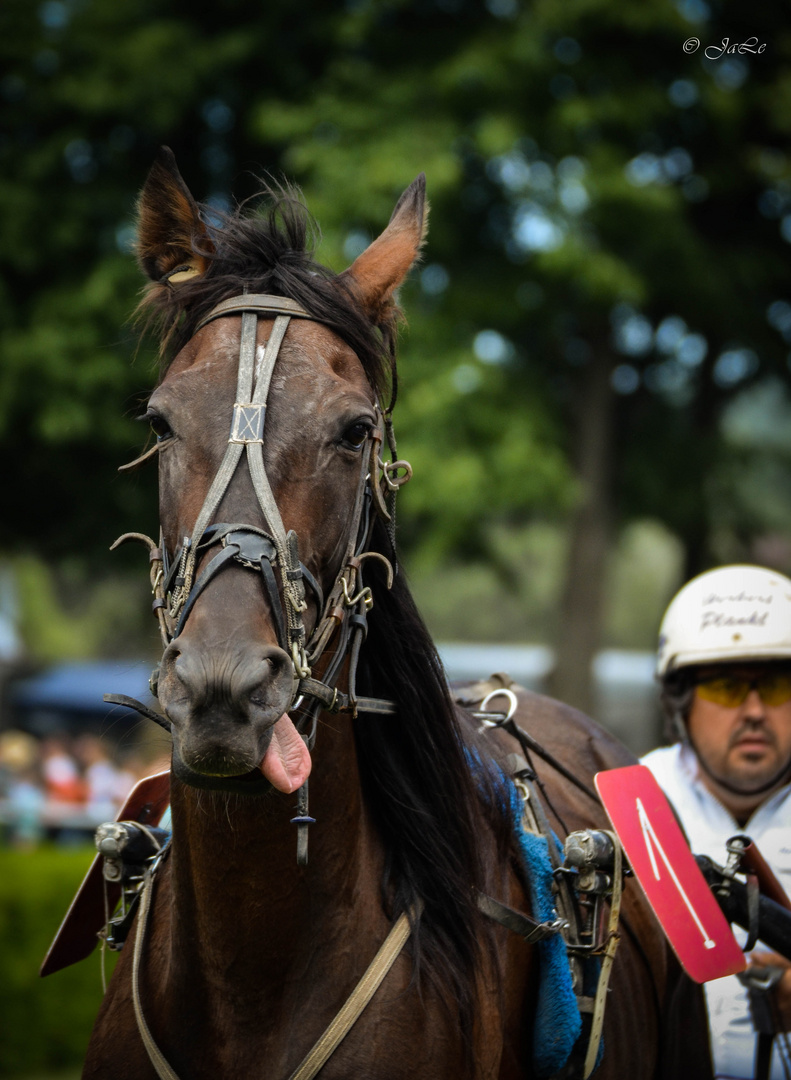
[595,375]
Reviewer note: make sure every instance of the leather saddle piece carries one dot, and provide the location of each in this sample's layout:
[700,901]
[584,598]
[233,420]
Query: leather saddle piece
[86,917]
[467,694]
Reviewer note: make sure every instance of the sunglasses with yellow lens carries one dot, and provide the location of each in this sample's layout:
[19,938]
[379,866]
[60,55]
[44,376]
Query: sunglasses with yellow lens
[731,691]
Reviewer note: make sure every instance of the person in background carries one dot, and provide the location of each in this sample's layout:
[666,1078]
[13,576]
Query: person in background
[724,667]
[21,788]
[106,786]
[62,779]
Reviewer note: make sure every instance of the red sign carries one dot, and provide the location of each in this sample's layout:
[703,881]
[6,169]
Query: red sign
[78,934]
[671,880]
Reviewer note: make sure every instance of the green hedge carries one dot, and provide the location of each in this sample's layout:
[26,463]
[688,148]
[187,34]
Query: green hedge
[45,1023]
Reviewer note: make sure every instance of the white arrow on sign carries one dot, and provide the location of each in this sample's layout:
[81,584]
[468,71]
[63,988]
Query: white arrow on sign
[651,840]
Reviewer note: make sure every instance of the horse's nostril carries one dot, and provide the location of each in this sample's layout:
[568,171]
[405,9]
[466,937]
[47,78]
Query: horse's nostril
[246,682]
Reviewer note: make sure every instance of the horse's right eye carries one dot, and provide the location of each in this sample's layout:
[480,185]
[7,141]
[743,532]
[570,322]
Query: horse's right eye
[159,426]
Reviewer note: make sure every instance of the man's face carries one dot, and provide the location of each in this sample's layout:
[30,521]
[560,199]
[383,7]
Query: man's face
[744,747]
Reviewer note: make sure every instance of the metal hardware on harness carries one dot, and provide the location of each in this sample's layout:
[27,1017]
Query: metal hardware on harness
[490,720]
[129,849]
[593,867]
[395,481]
[590,854]
[182,584]
[610,948]
[760,984]
[510,697]
[157,577]
[299,659]
[364,594]
[303,821]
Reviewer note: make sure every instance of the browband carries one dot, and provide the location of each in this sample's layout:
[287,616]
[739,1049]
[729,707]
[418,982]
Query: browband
[257,302]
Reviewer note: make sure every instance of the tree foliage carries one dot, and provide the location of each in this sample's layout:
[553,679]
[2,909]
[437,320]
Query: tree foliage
[606,205]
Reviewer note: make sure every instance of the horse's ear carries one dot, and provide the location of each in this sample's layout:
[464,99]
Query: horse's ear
[376,274]
[170,233]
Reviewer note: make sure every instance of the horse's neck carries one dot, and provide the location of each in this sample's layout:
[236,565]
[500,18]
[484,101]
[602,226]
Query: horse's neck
[236,887]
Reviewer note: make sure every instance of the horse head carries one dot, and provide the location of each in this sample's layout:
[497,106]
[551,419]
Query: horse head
[269,425]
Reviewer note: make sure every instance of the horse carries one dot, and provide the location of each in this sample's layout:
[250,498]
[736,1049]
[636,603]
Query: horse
[293,648]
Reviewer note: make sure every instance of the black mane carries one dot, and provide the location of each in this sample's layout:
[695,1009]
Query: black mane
[436,810]
[270,251]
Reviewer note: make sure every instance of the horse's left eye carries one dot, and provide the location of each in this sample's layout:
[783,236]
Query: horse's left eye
[355,434]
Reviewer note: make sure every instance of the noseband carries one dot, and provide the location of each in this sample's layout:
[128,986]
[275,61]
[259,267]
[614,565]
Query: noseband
[271,550]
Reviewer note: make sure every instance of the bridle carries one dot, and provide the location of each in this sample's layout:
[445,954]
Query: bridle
[274,552]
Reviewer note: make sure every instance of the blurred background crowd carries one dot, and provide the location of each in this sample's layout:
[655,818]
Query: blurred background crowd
[61,787]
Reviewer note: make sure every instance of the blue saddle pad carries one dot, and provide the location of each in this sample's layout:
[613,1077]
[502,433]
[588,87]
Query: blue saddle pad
[557,1024]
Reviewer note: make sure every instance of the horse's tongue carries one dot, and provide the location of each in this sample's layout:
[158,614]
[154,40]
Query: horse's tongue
[286,763]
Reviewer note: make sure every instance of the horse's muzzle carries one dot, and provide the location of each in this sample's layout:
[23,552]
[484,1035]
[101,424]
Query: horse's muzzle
[223,702]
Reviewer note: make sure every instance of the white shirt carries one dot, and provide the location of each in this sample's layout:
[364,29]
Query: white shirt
[708,826]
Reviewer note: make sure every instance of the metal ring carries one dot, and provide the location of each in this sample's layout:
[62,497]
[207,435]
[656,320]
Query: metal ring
[513,703]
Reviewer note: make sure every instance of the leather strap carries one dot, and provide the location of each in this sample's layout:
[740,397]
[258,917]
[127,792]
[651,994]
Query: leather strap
[214,567]
[138,706]
[516,921]
[332,1036]
[361,995]
[336,701]
[163,1070]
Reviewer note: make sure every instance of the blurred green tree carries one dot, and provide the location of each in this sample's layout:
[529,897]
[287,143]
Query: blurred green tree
[611,186]
[605,273]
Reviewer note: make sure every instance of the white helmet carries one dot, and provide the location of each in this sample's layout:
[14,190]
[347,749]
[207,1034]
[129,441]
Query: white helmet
[725,615]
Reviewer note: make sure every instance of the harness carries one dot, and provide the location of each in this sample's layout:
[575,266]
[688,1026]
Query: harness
[274,553]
